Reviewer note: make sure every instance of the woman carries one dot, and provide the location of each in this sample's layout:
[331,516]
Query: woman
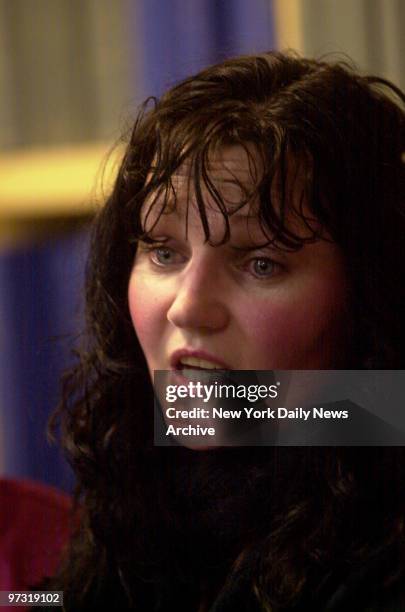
[256,222]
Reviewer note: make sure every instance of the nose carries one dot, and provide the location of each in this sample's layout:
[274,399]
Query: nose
[200,302]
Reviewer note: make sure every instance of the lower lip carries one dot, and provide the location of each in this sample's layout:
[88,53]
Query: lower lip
[177,377]
[196,376]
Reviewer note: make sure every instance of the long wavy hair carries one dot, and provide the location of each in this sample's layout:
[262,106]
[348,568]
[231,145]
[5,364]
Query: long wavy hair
[161,527]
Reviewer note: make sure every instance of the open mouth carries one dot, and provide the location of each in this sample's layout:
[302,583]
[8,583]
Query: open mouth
[195,363]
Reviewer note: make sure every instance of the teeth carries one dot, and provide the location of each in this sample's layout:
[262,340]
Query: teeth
[199,363]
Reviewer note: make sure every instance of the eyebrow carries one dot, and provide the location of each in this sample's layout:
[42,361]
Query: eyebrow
[237,216]
[252,247]
[242,217]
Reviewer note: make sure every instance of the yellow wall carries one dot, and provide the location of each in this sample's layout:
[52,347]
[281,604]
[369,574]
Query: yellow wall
[41,187]
[288,24]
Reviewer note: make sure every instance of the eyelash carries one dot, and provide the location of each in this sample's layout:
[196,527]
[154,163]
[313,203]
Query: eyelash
[151,249]
[268,260]
[154,250]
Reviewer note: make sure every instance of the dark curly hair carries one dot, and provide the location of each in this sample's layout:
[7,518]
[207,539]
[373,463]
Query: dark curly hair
[169,528]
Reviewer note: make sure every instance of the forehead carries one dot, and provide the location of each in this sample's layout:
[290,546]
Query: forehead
[225,186]
[232,164]
[221,193]
[230,170]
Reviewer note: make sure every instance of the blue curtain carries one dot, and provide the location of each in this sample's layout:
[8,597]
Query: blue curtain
[176,38]
[41,311]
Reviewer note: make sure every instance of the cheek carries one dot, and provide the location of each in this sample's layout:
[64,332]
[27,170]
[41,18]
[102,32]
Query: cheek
[296,330]
[146,311]
[278,334]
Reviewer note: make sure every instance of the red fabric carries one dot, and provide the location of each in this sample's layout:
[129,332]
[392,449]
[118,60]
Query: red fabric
[34,527]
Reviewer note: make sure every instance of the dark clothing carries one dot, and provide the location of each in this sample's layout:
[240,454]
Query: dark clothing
[358,591]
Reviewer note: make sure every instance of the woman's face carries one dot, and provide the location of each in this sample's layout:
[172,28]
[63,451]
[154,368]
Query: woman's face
[238,306]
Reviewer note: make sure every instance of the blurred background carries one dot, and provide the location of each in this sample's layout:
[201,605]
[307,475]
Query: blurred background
[72,73]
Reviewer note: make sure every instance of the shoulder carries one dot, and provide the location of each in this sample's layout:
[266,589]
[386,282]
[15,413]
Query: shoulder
[34,526]
[33,493]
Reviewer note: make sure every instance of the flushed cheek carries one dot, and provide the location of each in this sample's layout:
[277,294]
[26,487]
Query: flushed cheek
[272,339]
[147,314]
[292,335]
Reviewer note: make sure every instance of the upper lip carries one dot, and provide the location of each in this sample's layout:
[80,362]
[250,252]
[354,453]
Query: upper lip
[178,355]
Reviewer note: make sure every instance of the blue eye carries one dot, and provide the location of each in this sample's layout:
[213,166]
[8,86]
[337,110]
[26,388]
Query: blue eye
[164,256]
[263,267]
